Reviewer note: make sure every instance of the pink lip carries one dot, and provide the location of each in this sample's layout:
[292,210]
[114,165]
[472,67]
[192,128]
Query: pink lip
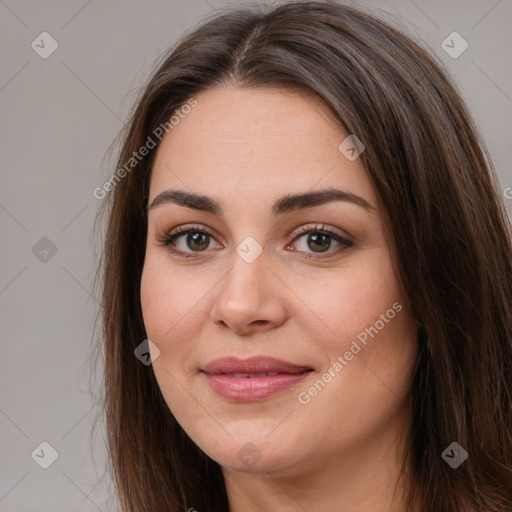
[220,375]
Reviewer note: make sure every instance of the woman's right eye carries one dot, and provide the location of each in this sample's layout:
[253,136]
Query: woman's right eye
[187,242]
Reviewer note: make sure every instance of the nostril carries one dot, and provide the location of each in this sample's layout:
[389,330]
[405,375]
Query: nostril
[258,322]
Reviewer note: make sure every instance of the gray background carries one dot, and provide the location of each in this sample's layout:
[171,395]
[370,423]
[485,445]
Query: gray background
[59,117]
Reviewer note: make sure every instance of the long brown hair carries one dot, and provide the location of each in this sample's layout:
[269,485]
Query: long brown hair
[450,237]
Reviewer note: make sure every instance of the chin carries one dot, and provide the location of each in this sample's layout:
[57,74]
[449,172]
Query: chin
[250,459]
[251,453]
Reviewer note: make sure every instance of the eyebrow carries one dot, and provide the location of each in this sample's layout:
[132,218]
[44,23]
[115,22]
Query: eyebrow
[285,204]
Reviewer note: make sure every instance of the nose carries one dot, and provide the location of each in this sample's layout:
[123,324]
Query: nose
[250,298]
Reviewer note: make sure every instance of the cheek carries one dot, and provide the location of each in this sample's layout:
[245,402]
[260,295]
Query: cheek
[372,330]
[167,311]
[352,300]
[155,301]
[166,297]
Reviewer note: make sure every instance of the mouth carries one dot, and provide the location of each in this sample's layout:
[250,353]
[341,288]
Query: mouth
[252,379]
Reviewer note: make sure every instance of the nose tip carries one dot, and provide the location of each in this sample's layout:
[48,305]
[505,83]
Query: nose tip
[248,300]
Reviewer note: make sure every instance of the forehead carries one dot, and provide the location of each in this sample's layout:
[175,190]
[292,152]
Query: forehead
[258,142]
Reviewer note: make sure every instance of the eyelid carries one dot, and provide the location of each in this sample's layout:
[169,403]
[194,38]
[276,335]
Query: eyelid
[320,227]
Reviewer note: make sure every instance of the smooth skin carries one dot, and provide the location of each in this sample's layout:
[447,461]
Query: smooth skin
[303,299]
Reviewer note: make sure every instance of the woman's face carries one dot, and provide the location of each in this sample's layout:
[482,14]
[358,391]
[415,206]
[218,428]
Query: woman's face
[250,281]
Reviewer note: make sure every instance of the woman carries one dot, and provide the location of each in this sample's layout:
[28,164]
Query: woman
[307,284]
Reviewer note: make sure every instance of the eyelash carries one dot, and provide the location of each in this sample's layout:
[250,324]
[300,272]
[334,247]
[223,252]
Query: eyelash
[169,238]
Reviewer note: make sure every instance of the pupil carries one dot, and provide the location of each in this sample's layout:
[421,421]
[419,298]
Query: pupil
[198,239]
[318,238]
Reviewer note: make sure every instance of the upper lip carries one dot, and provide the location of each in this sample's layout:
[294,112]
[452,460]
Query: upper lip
[256,364]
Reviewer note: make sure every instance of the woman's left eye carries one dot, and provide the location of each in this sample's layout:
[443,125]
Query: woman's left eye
[316,238]
[319,240]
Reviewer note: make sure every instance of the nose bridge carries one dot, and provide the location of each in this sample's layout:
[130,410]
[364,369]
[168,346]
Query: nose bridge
[246,279]
[247,294]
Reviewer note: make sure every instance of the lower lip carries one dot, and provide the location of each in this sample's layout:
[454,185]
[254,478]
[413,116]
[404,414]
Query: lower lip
[250,389]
